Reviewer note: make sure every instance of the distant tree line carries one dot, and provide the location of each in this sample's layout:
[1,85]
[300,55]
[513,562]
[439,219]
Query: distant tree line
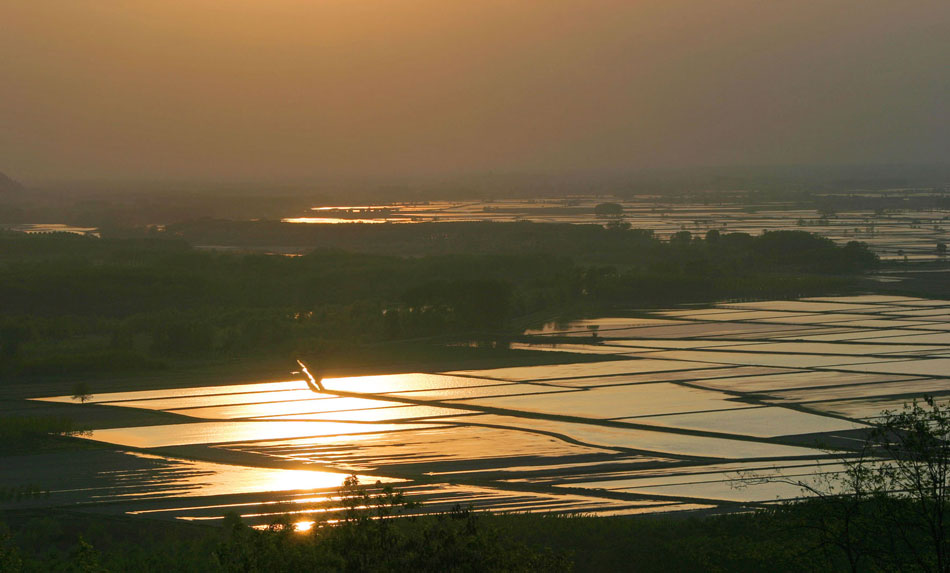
[71,304]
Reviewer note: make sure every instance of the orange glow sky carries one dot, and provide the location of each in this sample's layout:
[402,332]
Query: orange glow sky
[298,89]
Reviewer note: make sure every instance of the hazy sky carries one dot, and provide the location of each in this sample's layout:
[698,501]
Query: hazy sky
[291,89]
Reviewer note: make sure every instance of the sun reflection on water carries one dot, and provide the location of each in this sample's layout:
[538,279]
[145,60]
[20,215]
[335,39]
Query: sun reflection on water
[187,478]
[220,432]
[304,526]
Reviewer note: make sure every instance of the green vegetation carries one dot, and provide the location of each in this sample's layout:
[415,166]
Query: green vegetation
[890,508]
[780,539]
[367,538]
[27,433]
[608,210]
[74,305]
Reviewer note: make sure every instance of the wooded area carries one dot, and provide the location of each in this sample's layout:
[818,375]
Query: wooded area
[80,304]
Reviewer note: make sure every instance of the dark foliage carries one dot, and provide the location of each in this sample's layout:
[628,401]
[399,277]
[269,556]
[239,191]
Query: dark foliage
[890,508]
[370,536]
[78,304]
[24,433]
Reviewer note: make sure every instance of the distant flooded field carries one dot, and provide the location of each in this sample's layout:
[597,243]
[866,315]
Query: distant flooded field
[910,235]
[714,408]
[51,228]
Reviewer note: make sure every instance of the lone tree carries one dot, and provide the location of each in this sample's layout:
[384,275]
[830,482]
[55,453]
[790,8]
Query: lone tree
[608,210]
[81,392]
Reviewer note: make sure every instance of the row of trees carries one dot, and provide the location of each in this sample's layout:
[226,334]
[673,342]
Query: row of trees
[72,304]
[588,244]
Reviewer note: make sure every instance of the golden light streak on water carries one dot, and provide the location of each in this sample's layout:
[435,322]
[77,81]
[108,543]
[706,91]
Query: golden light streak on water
[303,526]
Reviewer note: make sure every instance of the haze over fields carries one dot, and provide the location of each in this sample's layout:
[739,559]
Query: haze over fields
[288,89]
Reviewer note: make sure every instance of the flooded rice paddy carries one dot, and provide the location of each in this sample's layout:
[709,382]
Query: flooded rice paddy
[906,234]
[716,408]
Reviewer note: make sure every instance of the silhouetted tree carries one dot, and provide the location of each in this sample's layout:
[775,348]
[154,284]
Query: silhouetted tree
[608,210]
[681,238]
[85,559]
[81,392]
[891,504]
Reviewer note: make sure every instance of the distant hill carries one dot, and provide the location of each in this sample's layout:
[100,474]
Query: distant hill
[7,184]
